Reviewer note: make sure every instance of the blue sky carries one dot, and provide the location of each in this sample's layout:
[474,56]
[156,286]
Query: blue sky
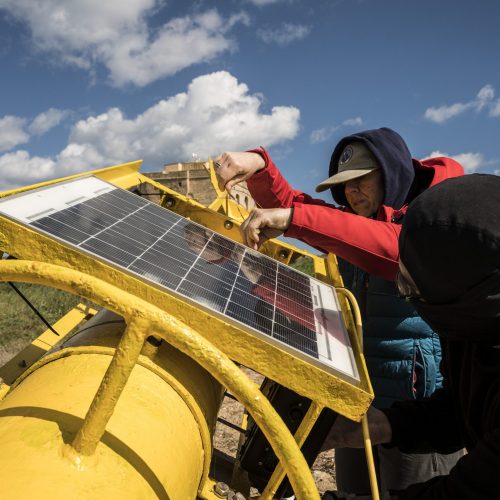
[92,83]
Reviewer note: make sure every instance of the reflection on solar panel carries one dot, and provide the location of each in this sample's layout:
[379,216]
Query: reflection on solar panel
[299,312]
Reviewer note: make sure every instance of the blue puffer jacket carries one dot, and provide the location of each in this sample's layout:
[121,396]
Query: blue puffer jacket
[401,350]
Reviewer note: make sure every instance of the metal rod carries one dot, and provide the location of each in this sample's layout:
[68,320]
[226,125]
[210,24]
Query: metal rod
[230,424]
[111,387]
[32,307]
[300,436]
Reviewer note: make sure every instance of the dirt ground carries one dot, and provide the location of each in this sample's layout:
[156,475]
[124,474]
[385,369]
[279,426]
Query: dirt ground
[226,439]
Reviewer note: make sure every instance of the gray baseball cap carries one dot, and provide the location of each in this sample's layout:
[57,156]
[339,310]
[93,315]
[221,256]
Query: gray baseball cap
[355,161]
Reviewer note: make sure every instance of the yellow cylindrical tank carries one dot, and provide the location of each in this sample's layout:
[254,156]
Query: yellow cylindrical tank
[157,443]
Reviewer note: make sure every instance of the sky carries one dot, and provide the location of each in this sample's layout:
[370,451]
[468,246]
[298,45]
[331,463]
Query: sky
[87,84]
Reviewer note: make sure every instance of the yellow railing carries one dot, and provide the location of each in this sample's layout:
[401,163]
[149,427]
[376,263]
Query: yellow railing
[144,319]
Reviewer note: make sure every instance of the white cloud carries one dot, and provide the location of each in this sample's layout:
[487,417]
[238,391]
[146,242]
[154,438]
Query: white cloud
[444,113]
[216,113]
[15,130]
[46,121]
[470,161]
[495,109]
[325,133]
[484,99]
[12,132]
[20,168]
[284,34]
[116,34]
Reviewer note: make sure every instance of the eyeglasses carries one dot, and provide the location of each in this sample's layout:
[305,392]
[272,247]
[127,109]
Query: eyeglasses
[406,289]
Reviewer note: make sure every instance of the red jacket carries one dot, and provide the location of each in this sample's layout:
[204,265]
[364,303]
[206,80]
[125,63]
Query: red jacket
[370,244]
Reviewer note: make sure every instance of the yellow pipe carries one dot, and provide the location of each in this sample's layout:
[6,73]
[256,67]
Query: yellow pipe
[111,387]
[369,458]
[372,474]
[356,312]
[152,448]
[303,431]
[186,340]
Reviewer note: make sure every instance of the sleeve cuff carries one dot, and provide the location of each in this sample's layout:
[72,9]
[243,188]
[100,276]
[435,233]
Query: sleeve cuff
[265,155]
[295,228]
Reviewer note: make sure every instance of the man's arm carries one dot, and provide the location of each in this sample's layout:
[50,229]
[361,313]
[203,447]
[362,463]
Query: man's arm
[369,244]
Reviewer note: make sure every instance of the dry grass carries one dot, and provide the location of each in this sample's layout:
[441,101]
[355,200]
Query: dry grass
[19,325]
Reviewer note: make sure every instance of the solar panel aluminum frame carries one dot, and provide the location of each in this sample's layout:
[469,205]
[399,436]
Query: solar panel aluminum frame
[239,342]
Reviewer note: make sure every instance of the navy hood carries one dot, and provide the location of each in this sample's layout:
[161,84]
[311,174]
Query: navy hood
[393,156]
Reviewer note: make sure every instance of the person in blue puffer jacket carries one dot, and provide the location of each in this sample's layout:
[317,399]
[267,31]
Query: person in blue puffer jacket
[373,178]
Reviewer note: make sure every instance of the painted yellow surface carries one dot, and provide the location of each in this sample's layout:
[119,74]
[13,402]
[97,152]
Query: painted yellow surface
[86,440]
[239,344]
[151,448]
[177,334]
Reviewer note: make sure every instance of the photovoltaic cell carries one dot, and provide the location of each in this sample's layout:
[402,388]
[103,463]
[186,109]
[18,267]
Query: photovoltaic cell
[147,240]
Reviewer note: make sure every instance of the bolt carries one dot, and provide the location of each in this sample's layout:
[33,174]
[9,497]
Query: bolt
[283,254]
[228,225]
[169,202]
[221,489]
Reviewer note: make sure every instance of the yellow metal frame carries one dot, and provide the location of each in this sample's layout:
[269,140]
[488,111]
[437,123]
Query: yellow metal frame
[223,216]
[344,397]
[144,319]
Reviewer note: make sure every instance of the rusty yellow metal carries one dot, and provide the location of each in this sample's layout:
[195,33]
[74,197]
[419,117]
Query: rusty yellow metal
[350,400]
[34,351]
[178,335]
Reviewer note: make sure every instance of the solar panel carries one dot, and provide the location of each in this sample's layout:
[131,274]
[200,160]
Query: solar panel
[274,301]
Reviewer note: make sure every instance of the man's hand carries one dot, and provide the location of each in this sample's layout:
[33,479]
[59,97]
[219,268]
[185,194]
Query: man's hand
[232,168]
[348,434]
[263,224]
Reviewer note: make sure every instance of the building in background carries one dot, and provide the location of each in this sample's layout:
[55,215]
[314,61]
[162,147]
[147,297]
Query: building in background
[192,179]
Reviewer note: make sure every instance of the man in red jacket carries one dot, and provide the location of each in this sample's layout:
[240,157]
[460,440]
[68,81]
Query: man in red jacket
[369,241]
[372,178]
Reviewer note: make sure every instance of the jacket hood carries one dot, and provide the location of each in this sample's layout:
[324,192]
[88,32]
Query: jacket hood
[394,158]
[450,245]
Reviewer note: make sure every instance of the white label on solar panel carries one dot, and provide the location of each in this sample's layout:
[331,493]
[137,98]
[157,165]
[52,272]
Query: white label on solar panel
[299,312]
[334,346]
[28,207]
